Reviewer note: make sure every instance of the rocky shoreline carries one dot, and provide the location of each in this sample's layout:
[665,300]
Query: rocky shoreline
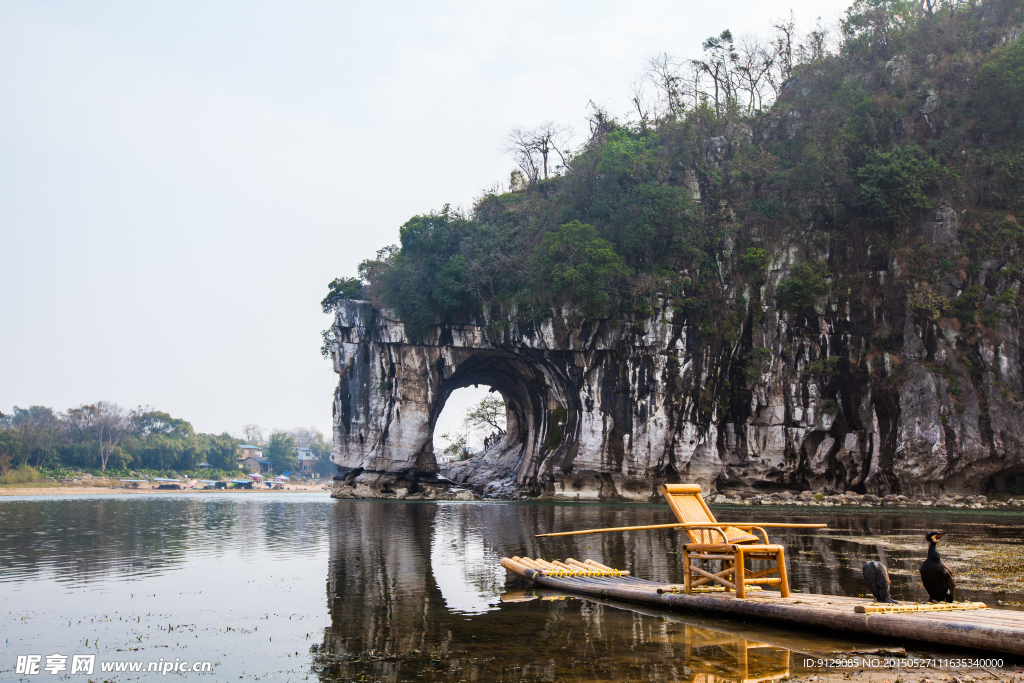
[437,490]
[852,499]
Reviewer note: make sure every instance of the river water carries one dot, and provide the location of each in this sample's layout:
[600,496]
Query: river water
[271,586]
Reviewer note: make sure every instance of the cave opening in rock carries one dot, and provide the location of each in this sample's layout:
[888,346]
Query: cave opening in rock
[525,387]
[473,418]
[1010,480]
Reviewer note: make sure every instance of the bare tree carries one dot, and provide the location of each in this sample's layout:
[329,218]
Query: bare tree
[80,420]
[815,44]
[253,434]
[551,139]
[111,425]
[782,48]
[521,146]
[643,107]
[754,68]
[694,82]
[304,435]
[663,72]
[746,76]
[533,149]
[600,122]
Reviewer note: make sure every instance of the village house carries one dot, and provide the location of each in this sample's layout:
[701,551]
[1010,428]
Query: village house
[307,461]
[249,451]
[256,464]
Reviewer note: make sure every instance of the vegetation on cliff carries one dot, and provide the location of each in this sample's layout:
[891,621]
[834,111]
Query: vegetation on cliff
[913,107]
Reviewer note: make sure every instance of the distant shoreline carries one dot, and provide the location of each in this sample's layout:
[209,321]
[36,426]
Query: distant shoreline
[17,490]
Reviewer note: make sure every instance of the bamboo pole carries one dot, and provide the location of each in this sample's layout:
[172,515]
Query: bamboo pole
[597,564]
[927,607]
[526,561]
[513,566]
[556,568]
[683,525]
[619,528]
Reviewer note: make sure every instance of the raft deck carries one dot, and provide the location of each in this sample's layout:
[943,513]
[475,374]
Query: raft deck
[960,625]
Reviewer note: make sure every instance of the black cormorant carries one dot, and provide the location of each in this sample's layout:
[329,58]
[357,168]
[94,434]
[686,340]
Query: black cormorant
[877,577]
[936,578]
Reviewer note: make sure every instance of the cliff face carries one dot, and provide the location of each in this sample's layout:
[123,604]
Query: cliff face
[615,407]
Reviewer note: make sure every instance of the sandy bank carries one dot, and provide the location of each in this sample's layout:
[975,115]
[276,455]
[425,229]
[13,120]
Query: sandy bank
[64,490]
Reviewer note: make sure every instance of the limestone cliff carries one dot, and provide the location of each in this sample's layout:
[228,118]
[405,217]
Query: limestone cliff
[614,407]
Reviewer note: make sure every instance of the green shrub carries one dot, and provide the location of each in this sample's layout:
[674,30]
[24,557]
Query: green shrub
[893,184]
[1007,297]
[754,261]
[926,302]
[339,289]
[766,207]
[1008,191]
[1000,94]
[798,292]
[757,363]
[824,366]
[426,278]
[580,266]
[966,307]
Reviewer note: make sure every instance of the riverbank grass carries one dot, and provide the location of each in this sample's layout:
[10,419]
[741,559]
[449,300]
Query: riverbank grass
[23,475]
[26,476]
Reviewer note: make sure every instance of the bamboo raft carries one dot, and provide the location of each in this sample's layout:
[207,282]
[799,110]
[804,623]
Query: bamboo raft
[969,624]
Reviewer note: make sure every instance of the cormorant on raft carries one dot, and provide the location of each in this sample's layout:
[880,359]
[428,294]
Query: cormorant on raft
[877,577]
[937,579]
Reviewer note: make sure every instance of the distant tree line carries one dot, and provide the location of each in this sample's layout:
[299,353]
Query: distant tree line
[105,436]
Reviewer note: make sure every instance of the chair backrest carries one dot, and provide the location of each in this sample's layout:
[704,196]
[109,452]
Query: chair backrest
[688,506]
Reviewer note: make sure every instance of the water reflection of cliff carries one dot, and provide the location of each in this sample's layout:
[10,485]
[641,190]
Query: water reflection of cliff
[413,594]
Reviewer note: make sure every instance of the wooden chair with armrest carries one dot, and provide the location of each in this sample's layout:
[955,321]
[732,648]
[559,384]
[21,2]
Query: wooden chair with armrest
[731,543]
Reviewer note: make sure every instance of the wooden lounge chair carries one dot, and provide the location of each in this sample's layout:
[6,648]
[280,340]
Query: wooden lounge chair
[733,544]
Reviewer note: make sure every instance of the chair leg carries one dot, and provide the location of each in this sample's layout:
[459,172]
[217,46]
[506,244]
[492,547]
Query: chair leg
[686,572]
[780,561]
[739,577]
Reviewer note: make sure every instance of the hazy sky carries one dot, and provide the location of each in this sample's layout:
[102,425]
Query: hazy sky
[179,181]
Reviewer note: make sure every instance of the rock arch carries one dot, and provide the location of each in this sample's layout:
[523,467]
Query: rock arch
[538,408]
[593,407]
[392,390]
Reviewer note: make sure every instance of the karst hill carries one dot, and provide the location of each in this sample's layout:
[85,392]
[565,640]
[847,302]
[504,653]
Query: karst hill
[794,273]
